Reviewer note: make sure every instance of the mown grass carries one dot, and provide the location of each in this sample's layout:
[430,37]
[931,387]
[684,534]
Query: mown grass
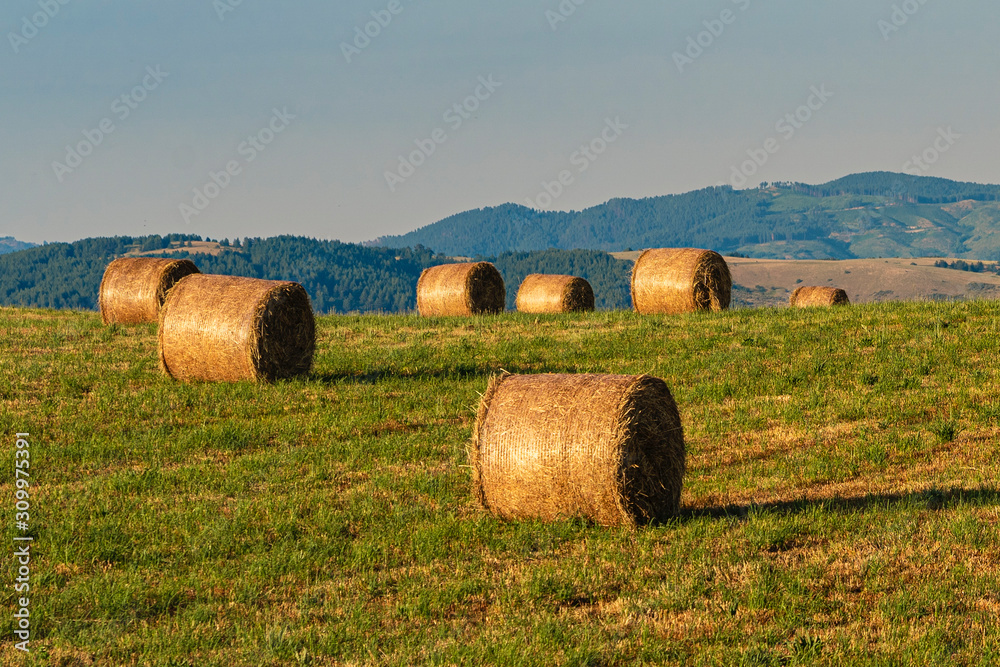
[841,504]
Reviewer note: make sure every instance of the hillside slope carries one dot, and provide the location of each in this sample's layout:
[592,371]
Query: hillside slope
[865,215]
[864,280]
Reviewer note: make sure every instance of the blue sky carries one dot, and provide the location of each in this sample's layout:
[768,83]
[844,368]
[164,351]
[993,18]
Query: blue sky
[611,99]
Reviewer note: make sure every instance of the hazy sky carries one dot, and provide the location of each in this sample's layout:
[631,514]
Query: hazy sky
[231,118]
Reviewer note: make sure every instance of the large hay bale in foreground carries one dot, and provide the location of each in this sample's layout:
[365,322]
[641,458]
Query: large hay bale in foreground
[818,296]
[544,293]
[225,328]
[133,288]
[671,281]
[461,289]
[605,447]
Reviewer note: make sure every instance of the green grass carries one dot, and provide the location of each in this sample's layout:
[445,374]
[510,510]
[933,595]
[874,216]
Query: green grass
[841,504]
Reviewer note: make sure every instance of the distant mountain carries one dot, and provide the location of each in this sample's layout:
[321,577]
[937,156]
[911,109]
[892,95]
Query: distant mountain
[864,215]
[10,244]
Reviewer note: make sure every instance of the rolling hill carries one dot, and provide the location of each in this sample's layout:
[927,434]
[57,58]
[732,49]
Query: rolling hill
[879,214]
[858,217]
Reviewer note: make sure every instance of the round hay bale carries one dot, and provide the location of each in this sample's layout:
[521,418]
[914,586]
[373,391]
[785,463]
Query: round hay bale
[671,281]
[541,293]
[226,328]
[804,297]
[608,448]
[461,289]
[133,288]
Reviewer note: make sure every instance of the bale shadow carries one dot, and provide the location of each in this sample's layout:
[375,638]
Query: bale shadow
[458,372]
[376,377]
[930,499]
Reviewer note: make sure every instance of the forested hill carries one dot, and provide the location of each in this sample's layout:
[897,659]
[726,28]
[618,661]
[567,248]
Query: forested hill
[339,277]
[863,215]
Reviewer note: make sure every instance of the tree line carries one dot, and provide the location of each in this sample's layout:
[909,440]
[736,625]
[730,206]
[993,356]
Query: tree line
[339,277]
[973,267]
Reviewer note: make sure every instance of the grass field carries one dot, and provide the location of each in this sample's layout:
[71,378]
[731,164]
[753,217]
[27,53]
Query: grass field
[841,505]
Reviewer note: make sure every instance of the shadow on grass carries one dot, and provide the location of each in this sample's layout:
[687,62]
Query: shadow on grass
[930,499]
[457,372]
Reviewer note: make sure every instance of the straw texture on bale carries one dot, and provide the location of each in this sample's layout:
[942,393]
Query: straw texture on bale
[608,448]
[671,281]
[225,328]
[541,293]
[461,289]
[133,288]
[818,296]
